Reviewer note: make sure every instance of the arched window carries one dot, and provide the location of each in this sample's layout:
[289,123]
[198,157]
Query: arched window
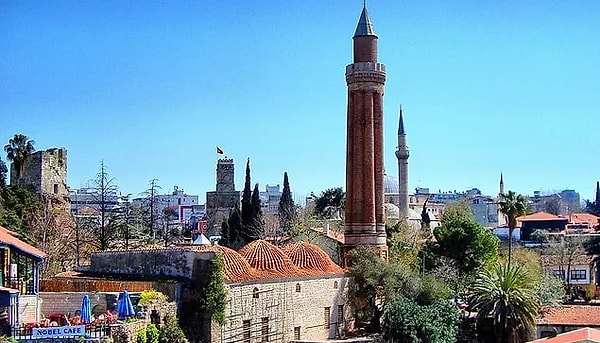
[297,287]
[335,284]
[255,293]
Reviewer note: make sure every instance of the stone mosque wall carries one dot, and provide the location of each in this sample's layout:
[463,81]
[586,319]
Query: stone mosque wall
[285,310]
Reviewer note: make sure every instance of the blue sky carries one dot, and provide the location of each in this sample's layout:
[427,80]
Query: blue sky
[152,87]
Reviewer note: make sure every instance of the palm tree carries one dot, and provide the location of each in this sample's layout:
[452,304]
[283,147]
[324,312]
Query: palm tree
[507,295]
[18,150]
[513,205]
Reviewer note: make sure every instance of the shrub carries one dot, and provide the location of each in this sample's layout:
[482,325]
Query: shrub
[171,332]
[141,336]
[151,334]
[146,297]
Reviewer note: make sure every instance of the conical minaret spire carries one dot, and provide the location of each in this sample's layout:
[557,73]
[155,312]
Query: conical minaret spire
[501,184]
[597,192]
[365,26]
[402,155]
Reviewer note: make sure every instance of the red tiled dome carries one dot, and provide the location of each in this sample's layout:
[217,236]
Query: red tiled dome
[269,260]
[312,258]
[235,266]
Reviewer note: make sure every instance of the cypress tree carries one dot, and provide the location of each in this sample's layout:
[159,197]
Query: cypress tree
[235,228]
[225,234]
[247,199]
[254,231]
[287,209]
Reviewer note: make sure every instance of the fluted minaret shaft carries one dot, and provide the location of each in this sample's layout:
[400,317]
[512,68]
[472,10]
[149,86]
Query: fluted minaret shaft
[364,220]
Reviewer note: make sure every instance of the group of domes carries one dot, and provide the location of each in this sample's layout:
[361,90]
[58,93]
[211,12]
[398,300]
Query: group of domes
[262,260]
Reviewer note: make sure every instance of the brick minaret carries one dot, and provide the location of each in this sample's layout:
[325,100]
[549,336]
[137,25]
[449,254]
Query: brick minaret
[402,156]
[364,223]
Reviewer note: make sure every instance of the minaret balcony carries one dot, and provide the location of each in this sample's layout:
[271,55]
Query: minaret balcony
[365,72]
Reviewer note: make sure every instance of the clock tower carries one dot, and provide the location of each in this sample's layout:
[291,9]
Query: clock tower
[224,198]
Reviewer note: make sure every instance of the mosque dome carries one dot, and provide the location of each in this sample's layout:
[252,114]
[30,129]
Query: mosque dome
[236,267]
[391,185]
[269,260]
[312,258]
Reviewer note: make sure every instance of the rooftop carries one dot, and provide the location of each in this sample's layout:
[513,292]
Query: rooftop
[585,335]
[574,315]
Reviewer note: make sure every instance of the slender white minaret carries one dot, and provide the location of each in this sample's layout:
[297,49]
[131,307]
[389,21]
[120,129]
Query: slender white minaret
[402,155]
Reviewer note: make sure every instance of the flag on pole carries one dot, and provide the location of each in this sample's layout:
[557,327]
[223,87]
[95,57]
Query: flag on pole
[219,151]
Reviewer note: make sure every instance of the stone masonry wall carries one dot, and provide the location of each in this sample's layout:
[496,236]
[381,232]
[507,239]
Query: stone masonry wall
[161,263]
[29,308]
[69,302]
[276,309]
[46,172]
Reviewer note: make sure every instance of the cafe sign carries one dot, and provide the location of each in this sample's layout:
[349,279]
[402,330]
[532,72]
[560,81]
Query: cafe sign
[58,331]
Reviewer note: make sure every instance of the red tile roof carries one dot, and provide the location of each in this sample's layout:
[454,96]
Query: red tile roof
[6,237]
[577,336]
[269,260]
[540,216]
[235,266]
[310,257]
[574,315]
[583,218]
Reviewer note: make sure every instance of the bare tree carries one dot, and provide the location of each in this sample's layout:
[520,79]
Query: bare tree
[150,208]
[105,229]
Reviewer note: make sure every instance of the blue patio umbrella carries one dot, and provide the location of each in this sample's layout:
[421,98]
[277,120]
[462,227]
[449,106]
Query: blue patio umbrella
[125,306]
[86,310]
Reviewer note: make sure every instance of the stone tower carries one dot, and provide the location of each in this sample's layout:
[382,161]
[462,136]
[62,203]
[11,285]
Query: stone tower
[46,172]
[364,222]
[224,198]
[402,156]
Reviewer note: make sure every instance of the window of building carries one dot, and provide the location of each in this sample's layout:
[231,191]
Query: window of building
[340,315]
[246,331]
[578,274]
[255,293]
[559,273]
[297,287]
[335,284]
[56,188]
[264,330]
[297,333]
[327,314]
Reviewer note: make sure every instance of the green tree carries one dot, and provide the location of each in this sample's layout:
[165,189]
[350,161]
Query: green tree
[463,240]
[3,171]
[513,205]
[287,208]
[593,207]
[407,321]
[257,226]
[330,202]
[247,216]
[550,290]
[18,150]
[18,202]
[231,230]
[375,283]
[506,294]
